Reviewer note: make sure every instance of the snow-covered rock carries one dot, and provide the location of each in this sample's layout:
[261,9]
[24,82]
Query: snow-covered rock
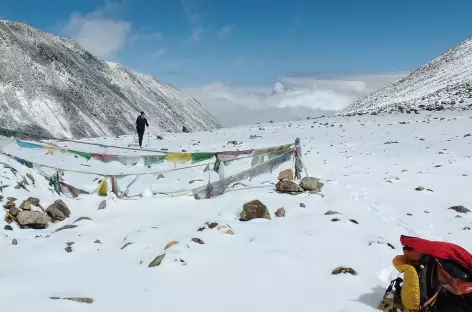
[52,86]
[445,83]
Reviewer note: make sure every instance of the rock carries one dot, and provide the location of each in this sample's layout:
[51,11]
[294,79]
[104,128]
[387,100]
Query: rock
[9,204]
[11,199]
[29,176]
[102,205]
[55,213]
[331,212]
[335,220]
[66,227]
[311,184]
[460,209]
[302,205]
[354,221]
[126,245]
[8,228]
[34,201]
[409,214]
[26,205]
[81,219]
[157,261]
[33,219]
[14,242]
[170,244]
[62,207]
[288,187]
[344,270]
[211,225]
[80,299]
[253,210]
[97,242]
[14,211]
[68,249]
[467,135]
[280,213]
[286,174]
[197,240]
[419,188]
[225,229]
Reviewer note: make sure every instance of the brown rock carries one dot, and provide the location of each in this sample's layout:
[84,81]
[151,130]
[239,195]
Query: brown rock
[280,213]
[14,211]
[344,270]
[170,244]
[9,204]
[157,261]
[460,209]
[33,219]
[212,225]
[11,199]
[253,210]
[55,213]
[286,174]
[331,212]
[288,187]
[34,201]
[419,188]
[80,300]
[62,207]
[197,240]
[26,205]
[102,205]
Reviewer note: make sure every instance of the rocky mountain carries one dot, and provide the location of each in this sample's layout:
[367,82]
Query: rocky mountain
[445,83]
[51,85]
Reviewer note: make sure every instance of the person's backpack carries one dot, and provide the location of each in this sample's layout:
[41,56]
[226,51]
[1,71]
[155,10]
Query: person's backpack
[440,281]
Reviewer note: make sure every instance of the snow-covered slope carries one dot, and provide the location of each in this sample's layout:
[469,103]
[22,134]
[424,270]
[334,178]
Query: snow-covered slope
[51,85]
[445,83]
[370,165]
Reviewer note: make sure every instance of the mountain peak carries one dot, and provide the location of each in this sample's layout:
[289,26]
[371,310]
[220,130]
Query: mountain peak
[53,86]
[445,83]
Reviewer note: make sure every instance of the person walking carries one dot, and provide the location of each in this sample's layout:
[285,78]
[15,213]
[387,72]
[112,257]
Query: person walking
[297,152]
[141,124]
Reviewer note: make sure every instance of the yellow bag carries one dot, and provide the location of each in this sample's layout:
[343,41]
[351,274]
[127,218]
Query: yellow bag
[103,188]
[410,292]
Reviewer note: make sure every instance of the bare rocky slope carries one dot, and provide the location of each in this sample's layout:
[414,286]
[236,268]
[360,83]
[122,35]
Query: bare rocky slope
[445,83]
[52,86]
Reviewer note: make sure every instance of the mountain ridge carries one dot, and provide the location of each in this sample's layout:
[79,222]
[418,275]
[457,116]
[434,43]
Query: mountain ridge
[444,83]
[58,88]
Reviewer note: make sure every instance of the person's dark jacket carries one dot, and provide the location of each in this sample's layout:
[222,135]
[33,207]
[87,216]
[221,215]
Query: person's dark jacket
[141,123]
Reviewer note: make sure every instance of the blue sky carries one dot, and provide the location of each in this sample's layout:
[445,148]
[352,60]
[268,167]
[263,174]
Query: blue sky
[318,54]
[253,42]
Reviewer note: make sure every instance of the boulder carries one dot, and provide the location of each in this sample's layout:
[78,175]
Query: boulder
[286,174]
[55,213]
[62,207]
[26,205]
[460,209]
[253,210]
[14,211]
[311,184]
[33,219]
[288,187]
[34,201]
[280,213]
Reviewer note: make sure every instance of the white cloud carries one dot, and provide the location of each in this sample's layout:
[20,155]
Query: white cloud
[196,34]
[99,34]
[160,52]
[225,31]
[290,98]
